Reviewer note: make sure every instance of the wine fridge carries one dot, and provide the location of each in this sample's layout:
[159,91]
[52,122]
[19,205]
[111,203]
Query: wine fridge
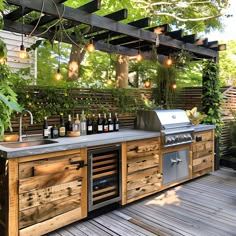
[104,176]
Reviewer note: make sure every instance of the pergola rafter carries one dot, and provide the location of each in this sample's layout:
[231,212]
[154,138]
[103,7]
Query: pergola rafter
[108,33]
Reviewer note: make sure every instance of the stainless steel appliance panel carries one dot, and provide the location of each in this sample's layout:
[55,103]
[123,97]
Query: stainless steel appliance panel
[175,166]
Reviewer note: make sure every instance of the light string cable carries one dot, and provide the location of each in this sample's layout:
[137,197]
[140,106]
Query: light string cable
[64,30]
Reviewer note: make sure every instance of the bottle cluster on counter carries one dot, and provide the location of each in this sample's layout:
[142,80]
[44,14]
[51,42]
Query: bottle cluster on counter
[81,125]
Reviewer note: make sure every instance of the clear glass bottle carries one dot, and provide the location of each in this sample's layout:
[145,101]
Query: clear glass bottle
[76,124]
[83,124]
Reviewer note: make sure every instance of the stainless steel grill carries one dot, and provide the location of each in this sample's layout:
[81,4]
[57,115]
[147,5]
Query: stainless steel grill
[174,125]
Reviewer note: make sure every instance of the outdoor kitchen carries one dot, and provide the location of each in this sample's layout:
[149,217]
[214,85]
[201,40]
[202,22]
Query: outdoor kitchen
[71,177]
[98,136]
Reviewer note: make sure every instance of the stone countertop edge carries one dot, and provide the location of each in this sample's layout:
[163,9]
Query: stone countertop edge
[70,143]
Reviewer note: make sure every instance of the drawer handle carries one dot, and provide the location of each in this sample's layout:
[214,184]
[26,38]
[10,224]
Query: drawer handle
[178,160]
[173,161]
[79,163]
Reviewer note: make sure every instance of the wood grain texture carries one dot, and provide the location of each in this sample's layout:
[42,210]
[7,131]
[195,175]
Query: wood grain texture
[204,206]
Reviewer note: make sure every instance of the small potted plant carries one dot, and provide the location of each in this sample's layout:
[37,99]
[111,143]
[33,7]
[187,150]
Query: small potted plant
[195,116]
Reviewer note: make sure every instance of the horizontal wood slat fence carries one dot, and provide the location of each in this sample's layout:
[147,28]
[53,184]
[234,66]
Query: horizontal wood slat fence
[125,103]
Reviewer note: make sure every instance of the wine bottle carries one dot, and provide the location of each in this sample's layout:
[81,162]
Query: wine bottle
[110,124]
[99,124]
[62,128]
[105,123]
[69,124]
[94,124]
[116,123]
[89,123]
[45,128]
[83,123]
[76,124]
[54,132]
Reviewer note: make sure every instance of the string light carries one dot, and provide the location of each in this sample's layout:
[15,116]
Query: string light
[147,84]
[169,61]
[58,76]
[139,56]
[22,52]
[90,47]
[174,86]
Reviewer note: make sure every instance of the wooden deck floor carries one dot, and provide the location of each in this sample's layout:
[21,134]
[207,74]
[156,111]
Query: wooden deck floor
[202,207]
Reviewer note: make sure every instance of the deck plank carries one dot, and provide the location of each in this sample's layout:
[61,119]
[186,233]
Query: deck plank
[205,206]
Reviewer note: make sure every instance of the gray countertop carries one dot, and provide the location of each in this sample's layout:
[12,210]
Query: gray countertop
[68,143]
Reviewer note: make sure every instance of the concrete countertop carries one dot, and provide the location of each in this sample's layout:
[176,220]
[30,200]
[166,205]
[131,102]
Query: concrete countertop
[69,143]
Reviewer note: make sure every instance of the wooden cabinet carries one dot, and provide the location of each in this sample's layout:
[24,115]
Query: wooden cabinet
[141,170]
[51,192]
[203,153]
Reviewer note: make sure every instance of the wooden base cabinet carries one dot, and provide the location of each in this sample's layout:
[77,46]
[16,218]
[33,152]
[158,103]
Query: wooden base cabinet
[203,153]
[48,192]
[141,169]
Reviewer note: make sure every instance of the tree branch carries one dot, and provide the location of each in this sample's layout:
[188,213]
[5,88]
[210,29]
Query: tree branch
[186,19]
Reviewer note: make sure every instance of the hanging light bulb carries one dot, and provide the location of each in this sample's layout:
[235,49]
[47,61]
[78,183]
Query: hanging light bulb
[174,86]
[3,60]
[90,47]
[58,75]
[109,81]
[22,54]
[169,61]
[147,84]
[139,57]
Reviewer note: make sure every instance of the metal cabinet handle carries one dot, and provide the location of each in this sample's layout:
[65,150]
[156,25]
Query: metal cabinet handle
[173,161]
[178,160]
[79,163]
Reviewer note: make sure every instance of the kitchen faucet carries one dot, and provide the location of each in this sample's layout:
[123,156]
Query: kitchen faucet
[20,126]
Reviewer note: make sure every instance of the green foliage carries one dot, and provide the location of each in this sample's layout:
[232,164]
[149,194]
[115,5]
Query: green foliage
[227,64]
[8,98]
[212,97]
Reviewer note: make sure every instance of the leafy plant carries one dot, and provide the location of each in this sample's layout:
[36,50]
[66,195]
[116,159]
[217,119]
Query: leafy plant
[8,98]
[212,97]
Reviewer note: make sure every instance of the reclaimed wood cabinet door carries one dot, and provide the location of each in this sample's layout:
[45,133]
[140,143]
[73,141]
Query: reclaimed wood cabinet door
[52,191]
[142,171]
[203,153]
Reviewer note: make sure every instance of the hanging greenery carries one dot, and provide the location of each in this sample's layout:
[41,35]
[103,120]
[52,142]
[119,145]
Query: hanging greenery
[165,81]
[212,97]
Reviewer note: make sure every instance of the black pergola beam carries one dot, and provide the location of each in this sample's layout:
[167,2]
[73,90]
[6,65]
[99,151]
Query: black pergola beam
[118,15]
[18,13]
[161,28]
[89,7]
[201,42]
[177,34]
[79,16]
[141,23]
[189,38]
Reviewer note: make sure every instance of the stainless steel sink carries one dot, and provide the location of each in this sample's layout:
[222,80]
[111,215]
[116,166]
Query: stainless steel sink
[28,143]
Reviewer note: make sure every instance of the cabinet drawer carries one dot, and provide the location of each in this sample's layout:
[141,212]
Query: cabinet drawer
[202,163]
[203,147]
[203,136]
[143,182]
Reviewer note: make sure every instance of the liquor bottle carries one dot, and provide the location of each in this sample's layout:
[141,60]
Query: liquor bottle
[76,124]
[45,128]
[94,124]
[83,123]
[69,124]
[54,132]
[110,124]
[99,124]
[89,125]
[62,128]
[105,123]
[116,123]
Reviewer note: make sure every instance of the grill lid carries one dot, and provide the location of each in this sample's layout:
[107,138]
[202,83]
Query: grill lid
[158,120]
